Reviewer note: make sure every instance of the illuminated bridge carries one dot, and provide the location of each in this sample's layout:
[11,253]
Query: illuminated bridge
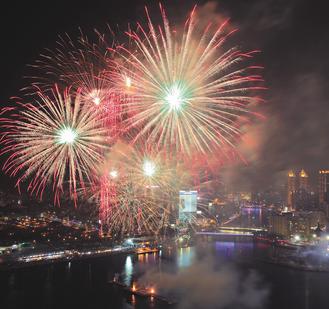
[232,231]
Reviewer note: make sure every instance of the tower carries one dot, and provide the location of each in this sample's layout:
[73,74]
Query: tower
[323,186]
[291,189]
[303,180]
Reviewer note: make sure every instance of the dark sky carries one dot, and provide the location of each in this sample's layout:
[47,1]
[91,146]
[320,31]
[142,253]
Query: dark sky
[292,34]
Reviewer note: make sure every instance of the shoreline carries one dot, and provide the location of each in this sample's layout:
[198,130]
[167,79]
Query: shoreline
[61,256]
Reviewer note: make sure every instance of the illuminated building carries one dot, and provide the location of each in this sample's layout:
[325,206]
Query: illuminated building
[238,197]
[323,186]
[302,223]
[299,196]
[291,190]
[305,199]
[303,181]
[305,222]
[280,224]
[187,205]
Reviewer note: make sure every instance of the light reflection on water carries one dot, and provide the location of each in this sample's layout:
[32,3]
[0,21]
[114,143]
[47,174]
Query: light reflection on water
[185,257]
[253,218]
[85,284]
[232,249]
[128,271]
[135,266]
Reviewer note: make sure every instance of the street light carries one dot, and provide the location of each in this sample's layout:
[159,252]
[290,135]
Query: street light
[297,237]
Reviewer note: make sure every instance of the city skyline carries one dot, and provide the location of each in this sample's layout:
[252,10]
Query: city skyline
[162,155]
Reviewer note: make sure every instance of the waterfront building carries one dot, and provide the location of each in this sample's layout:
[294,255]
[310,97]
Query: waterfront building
[280,223]
[302,223]
[305,222]
[187,205]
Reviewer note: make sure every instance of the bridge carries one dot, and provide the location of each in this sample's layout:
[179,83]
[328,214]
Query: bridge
[231,231]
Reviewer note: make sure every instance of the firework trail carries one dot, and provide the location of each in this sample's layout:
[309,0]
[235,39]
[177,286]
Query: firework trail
[83,66]
[189,92]
[135,190]
[79,64]
[54,141]
[177,97]
[131,208]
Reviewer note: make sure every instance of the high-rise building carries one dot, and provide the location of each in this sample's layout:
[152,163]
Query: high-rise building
[303,181]
[291,189]
[280,223]
[305,199]
[305,222]
[323,186]
[187,205]
[299,195]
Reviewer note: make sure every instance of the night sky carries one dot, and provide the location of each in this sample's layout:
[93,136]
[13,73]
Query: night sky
[293,36]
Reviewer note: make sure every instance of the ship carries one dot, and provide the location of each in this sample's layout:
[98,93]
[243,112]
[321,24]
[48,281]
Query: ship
[141,291]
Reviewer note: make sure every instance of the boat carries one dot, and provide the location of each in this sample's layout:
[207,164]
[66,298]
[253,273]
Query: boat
[141,291]
[145,250]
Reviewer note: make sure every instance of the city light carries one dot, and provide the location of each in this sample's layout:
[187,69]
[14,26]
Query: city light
[129,241]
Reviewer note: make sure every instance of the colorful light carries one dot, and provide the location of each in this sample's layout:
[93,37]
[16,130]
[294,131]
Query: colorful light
[44,152]
[67,135]
[97,100]
[190,91]
[179,93]
[114,174]
[174,98]
[149,168]
[128,82]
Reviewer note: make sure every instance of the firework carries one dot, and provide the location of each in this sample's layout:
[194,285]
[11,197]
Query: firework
[132,124]
[188,91]
[81,65]
[54,141]
[135,191]
[130,208]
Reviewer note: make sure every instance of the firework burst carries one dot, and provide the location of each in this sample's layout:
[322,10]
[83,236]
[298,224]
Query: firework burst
[78,64]
[135,190]
[55,140]
[189,92]
[177,98]
[132,208]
